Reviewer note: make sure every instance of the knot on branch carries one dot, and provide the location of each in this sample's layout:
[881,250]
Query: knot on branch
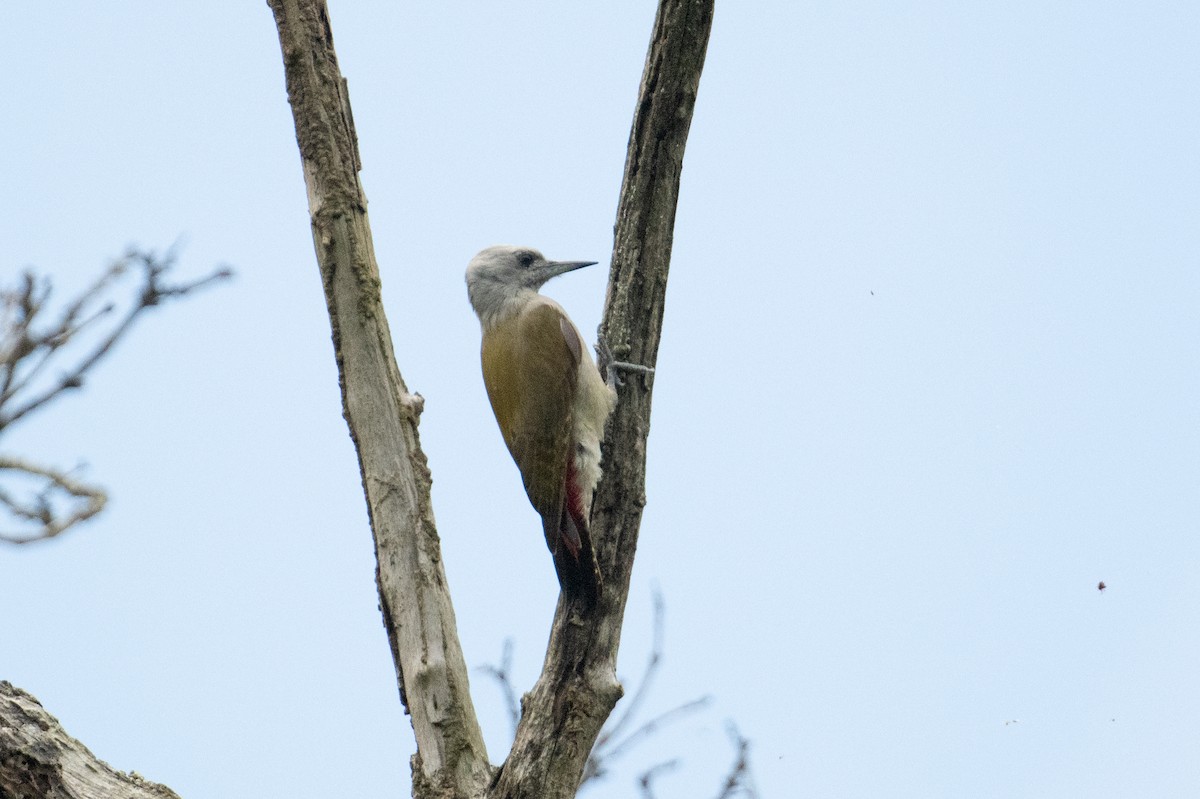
[413,404]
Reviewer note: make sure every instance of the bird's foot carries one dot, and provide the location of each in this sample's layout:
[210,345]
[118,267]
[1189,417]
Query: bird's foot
[610,366]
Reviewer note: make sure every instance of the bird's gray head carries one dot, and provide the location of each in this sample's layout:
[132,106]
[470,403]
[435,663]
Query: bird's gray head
[500,277]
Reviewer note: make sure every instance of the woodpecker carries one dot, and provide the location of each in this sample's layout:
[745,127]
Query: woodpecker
[549,399]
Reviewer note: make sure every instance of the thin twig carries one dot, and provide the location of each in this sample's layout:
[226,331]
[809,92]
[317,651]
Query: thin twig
[652,726]
[653,663]
[608,748]
[30,344]
[739,781]
[28,351]
[90,500]
[503,675]
[644,781]
[44,350]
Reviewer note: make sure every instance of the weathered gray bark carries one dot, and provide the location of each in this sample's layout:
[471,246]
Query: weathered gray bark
[382,415]
[38,760]
[577,690]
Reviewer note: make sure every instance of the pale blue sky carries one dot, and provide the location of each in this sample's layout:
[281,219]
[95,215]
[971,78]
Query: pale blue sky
[929,372]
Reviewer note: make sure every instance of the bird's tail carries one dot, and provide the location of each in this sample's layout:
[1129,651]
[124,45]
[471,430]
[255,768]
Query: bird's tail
[574,557]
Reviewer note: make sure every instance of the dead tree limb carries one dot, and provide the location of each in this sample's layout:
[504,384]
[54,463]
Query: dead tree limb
[38,760]
[382,415]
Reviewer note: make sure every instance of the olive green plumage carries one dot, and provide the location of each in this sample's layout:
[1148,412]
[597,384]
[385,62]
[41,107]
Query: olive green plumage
[549,400]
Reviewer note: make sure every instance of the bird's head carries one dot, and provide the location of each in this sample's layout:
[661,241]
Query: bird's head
[500,275]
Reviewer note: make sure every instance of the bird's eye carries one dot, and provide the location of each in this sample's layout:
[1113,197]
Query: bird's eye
[525,259]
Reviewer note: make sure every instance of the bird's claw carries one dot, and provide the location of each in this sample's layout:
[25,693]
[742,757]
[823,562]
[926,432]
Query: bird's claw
[609,366]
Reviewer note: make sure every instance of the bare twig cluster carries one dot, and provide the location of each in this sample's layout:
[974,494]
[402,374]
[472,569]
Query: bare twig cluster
[618,739]
[738,781]
[57,501]
[614,741]
[44,354]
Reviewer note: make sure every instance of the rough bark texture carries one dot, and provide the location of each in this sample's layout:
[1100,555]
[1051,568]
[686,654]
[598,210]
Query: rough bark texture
[382,416]
[578,688]
[38,760]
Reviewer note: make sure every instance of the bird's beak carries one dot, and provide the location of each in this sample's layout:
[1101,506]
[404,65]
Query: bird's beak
[556,268]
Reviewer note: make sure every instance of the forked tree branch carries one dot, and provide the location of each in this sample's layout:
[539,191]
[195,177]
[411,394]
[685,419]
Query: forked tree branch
[30,343]
[578,687]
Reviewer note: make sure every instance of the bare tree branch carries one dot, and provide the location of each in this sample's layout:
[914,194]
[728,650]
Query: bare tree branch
[382,416]
[40,508]
[578,687]
[33,339]
[28,344]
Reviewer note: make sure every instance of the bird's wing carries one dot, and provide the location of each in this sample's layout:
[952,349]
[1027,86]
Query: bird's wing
[531,370]
[541,442]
